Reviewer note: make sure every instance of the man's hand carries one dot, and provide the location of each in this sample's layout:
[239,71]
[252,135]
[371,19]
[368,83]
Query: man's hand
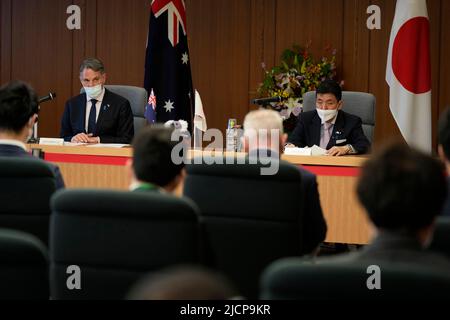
[85,138]
[339,151]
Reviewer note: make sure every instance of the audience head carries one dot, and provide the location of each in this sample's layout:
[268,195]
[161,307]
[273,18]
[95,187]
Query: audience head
[152,158]
[444,136]
[403,190]
[183,283]
[18,110]
[263,129]
[93,77]
[328,100]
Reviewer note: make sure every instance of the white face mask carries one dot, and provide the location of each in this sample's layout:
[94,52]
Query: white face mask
[94,92]
[327,115]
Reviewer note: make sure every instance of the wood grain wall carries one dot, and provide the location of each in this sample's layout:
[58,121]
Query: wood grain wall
[229,39]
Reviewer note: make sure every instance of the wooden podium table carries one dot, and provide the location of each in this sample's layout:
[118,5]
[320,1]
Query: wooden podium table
[92,167]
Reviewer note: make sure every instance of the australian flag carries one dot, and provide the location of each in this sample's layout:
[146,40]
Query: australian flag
[167,66]
[150,109]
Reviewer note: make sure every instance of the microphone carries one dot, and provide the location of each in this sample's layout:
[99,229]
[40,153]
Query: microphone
[49,97]
[264,101]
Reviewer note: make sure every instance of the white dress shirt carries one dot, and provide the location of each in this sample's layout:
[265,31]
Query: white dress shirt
[97,107]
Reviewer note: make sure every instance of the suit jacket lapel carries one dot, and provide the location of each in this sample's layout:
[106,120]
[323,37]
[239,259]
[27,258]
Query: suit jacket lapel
[104,108]
[315,127]
[83,103]
[338,127]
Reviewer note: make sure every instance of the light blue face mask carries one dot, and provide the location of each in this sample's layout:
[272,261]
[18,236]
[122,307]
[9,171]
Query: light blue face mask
[94,92]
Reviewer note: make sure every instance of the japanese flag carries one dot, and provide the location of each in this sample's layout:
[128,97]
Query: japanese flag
[408,72]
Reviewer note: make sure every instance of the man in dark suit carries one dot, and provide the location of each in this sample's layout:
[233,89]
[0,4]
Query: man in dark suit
[403,191]
[18,113]
[269,122]
[444,152]
[98,115]
[328,126]
[152,168]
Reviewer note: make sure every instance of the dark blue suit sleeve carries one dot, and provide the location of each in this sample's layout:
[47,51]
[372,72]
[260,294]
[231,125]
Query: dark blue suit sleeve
[59,178]
[125,128]
[298,136]
[66,127]
[358,139]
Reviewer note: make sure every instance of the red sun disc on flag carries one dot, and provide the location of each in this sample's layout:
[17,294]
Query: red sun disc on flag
[411,55]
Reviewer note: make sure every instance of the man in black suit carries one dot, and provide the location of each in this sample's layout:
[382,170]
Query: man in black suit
[328,126]
[403,191]
[261,122]
[98,115]
[444,152]
[18,113]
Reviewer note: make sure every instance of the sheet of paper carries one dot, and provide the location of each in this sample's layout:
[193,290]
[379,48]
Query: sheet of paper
[318,151]
[297,151]
[72,144]
[106,145]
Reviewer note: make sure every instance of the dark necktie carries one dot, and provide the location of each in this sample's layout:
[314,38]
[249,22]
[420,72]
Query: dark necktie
[92,117]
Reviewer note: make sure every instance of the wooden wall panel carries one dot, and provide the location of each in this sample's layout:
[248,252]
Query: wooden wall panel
[41,50]
[303,22]
[262,43]
[121,39]
[5,42]
[434,9]
[444,92]
[386,128]
[355,49]
[84,40]
[220,57]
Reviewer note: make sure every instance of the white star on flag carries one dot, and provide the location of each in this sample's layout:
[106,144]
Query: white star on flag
[169,106]
[185,58]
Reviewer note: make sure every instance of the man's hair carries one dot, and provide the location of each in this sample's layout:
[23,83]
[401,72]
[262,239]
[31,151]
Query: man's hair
[402,189]
[183,283]
[263,119]
[444,132]
[18,103]
[152,157]
[330,86]
[93,64]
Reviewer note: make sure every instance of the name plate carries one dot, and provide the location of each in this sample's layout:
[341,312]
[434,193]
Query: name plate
[51,142]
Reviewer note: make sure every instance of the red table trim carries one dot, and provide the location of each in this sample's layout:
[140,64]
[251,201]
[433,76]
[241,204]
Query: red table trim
[86,159]
[333,171]
[121,161]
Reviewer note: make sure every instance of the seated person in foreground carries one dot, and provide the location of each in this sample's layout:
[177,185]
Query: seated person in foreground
[18,114]
[183,283]
[98,115]
[403,191]
[444,153]
[328,126]
[269,122]
[152,168]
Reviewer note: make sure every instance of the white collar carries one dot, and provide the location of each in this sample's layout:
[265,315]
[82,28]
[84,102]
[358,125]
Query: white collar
[99,98]
[15,143]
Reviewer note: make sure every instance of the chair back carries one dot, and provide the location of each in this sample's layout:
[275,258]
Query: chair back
[298,279]
[114,238]
[26,186]
[248,219]
[23,267]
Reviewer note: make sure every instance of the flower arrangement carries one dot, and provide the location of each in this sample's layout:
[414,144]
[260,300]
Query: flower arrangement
[297,74]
